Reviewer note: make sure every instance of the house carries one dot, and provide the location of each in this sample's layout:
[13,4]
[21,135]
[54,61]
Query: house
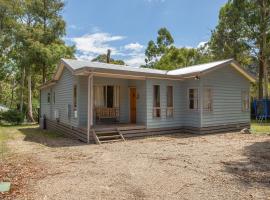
[97,102]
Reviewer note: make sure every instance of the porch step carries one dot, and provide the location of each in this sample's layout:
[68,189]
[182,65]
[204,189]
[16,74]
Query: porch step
[105,136]
[108,141]
[108,137]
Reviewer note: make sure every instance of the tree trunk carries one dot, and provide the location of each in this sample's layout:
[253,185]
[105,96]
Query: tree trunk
[265,69]
[22,88]
[12,91]
[261,68]
[1,92]
[30,110]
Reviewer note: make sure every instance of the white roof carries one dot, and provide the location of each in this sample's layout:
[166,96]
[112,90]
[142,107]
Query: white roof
[78,64]
[198,68]
[79,67]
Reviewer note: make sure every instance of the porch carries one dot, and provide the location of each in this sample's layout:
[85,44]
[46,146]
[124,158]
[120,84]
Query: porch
[113,104]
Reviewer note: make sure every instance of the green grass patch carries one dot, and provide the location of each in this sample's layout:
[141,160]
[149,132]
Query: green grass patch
[260,128]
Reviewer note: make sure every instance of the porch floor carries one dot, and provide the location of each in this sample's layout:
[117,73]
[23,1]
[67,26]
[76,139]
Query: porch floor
[120,126]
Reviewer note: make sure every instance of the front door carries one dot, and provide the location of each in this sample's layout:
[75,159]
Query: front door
[133,104]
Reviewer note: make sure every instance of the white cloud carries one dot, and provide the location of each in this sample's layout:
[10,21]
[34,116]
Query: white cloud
[201,44]
[135,60]
[96,43]
[134,47]
[91,45]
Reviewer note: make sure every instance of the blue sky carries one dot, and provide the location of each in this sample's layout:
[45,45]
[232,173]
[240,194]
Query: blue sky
[126,26]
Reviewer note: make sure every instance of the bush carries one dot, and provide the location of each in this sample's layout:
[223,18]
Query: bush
[12,116]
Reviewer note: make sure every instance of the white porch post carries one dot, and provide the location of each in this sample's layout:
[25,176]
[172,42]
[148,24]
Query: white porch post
[89,105]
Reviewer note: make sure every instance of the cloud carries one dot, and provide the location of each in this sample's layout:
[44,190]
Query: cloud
[96,43]
[134,47]
[201,44]
[91,45]
[135,60]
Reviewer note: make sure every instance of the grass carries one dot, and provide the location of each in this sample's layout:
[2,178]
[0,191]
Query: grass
[31,132]
[260,128]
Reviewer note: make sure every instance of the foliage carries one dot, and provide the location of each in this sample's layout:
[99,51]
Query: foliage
[103,58]
[12,116]
[31,45]
[164,55]
[155,50]
[243,34]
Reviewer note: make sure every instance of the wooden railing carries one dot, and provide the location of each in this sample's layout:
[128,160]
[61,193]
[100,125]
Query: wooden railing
[107,113]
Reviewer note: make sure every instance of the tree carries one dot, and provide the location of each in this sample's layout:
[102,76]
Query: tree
[103,59]
[164,55]
[32,46]
[155,50]
[243,33]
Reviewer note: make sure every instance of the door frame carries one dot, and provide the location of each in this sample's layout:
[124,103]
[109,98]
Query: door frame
[132,87]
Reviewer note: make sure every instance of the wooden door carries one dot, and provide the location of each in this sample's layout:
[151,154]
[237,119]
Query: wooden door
[133,103]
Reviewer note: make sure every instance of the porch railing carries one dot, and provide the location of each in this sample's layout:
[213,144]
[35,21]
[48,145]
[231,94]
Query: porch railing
[107,113]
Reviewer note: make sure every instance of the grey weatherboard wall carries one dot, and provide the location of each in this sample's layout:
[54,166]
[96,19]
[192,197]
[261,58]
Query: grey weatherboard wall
[226,83]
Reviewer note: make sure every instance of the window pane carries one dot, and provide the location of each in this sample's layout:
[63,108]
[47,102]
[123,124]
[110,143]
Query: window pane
[169,96]
[156,102]
[193,98]
[49,98]
[109,96]
[75,97]
[207,99]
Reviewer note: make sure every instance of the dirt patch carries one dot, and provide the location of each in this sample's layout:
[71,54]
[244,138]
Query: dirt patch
[19,170]
[183,166]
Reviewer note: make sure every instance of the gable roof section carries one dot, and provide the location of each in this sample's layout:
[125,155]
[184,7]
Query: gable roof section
[78,67]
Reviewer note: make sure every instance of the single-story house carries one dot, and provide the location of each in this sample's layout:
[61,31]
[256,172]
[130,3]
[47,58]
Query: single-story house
[98,102]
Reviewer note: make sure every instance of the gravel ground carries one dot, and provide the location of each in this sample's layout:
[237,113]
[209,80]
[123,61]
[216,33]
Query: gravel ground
[184,166]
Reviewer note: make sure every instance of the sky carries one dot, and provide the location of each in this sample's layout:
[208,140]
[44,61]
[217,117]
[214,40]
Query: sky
[126,26]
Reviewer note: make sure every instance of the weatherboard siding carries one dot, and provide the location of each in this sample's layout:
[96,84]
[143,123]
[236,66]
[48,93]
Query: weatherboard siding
[163,120]
[45,107]
[63,97]
[227,85]
[191,118]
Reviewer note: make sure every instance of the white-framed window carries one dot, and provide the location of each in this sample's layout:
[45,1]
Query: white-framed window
[193,100]
[245,101]
[107,96]
[49,97]
[207,99]
[169,112]
[53,97]
[74,97]
[156,101]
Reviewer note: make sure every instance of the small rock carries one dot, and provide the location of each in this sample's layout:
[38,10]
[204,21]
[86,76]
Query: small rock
[245,131]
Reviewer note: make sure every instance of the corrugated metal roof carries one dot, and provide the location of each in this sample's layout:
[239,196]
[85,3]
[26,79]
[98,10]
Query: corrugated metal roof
[78,64]
[198,68]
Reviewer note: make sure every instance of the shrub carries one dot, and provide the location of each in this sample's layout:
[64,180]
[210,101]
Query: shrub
[12,116]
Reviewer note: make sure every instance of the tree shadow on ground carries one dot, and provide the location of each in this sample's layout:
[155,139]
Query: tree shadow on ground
[49,138]
[255,168]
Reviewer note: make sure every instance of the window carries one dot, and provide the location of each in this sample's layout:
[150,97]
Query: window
[49,97]
[245,101]
[53,97]
[156,101]
[207,99]
[169,101]
[193,99]
[75,97]
[107,96]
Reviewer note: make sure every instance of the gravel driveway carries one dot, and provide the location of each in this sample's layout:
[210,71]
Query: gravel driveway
[184,166]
